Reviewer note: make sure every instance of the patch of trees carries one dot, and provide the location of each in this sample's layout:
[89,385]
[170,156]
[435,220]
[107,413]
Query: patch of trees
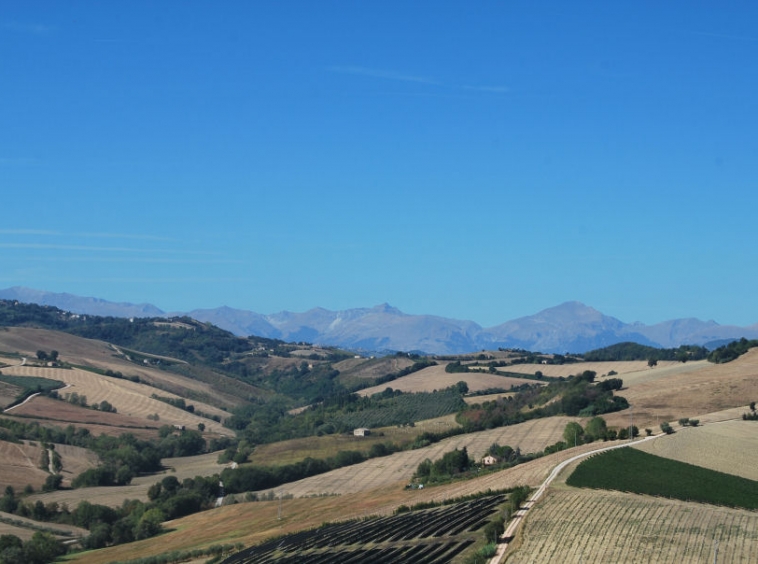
[733,350]
[635,351]
[269,421]
[40,549]
[575,396]
[451,464]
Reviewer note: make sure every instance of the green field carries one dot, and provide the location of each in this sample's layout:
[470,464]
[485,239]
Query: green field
[631,470]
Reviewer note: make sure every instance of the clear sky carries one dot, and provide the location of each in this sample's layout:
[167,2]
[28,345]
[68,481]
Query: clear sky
[475,160]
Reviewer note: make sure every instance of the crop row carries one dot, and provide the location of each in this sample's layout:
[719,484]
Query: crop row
[620,527]
[396,538]
[429,553]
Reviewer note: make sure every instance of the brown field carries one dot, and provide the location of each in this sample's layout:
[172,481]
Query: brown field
[471,400]
[58,413]
[689,390]
[573,526]
[129,398]
[8,394]
[435,378]
[601,368]
[20,464]
[731,447]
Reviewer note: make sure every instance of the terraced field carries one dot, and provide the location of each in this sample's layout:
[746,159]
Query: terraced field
[575,526]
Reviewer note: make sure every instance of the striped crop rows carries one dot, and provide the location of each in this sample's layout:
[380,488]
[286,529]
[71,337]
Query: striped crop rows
[600,526]
[430,536]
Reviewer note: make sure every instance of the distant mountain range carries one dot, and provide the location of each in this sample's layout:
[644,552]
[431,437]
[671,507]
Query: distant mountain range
[569,327]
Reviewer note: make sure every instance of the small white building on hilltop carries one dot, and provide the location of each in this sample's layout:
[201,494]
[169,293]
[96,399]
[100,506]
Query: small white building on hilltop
[361,432]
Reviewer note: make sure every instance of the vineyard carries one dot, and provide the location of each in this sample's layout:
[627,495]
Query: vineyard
[573,526]
[430,536]
[405,408]
[633,470]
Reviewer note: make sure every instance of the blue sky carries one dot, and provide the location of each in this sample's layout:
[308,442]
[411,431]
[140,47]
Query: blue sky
[479,162]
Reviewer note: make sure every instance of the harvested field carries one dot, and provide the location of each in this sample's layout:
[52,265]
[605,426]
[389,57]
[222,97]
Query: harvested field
[471,400]
[181,468]
[730,447]
[621,527]
[601,368]
[689,390]
[19,464]
[129,398]
[60,413]
[435,378]
[532,436]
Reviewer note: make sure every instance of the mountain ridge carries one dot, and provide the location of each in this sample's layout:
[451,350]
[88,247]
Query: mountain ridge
[568,327]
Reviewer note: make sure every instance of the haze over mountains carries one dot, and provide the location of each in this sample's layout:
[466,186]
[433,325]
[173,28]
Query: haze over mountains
[569,327]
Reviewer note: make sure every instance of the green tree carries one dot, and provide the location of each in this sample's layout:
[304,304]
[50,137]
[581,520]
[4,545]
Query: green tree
[596,428]
[573,433]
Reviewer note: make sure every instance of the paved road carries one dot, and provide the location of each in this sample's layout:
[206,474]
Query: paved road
[514,523]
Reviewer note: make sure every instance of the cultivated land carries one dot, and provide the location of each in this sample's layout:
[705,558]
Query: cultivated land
[573,526]
[129,398]
[435,378]
[731,447]
[21,464]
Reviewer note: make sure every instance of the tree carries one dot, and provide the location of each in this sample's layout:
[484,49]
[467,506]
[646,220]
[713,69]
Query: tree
[651,362]
[667,428]
[596,428]
[573,433]
[41,355]
[201,427]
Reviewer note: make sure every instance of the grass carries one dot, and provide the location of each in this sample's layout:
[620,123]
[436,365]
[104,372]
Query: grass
[635,471]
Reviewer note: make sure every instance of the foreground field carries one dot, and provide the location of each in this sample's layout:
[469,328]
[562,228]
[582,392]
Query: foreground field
[251,523]
[574,526]
[730,447]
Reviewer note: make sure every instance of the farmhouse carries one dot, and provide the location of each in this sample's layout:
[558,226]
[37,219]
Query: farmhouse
[489,460]
[361,432]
